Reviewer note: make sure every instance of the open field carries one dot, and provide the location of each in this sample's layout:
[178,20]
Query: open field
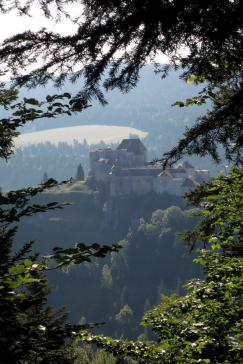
[93,134]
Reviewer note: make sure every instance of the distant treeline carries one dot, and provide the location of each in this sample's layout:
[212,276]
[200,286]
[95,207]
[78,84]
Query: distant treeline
[30,164]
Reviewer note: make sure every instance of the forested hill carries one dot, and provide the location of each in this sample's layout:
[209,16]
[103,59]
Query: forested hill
[118,289]
[143,107]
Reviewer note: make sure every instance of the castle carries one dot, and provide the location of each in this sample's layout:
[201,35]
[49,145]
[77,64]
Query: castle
[127,171]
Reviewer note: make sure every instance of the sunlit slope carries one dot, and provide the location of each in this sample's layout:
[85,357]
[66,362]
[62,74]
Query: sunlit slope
[93,134]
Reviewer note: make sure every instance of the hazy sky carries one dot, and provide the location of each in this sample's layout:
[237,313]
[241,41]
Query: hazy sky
[12,23]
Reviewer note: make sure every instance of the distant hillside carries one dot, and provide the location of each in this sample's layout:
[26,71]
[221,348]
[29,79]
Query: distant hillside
[145,107]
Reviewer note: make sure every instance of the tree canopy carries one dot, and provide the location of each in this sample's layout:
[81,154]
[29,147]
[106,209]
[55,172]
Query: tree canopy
[115,39]
[80,173]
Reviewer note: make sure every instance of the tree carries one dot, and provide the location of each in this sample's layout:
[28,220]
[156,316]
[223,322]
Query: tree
[80,173]
[205,325]
[106,277]
[125,314]
[115,40]
[44,178]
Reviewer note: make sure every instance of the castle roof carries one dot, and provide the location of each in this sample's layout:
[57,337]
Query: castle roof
[184,164]
[137,172]
[165,173]
[177,170]
[104,160]
[132,145]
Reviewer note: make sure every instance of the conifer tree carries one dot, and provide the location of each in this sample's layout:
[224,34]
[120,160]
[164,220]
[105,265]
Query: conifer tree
[44,178]
[80,173]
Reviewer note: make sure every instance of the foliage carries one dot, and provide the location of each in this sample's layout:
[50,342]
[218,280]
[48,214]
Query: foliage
[205,325]
[30,332]
[142,351]
[222,225]
[106,276]
[221,126]
[85,355]
[114,40]
[125,314]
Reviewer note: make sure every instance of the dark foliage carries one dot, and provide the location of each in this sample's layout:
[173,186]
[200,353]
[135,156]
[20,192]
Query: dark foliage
[222,225]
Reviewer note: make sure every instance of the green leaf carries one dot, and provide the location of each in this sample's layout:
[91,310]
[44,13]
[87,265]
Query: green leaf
[31,101]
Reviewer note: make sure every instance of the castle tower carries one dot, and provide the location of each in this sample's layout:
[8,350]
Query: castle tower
[136,150]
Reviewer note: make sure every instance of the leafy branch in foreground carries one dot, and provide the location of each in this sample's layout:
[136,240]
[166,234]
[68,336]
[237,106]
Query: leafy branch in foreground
[220,126]
[205,325]
[222,209]
[144,352]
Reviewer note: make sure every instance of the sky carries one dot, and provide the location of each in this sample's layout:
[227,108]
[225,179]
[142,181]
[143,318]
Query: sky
[12,23]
